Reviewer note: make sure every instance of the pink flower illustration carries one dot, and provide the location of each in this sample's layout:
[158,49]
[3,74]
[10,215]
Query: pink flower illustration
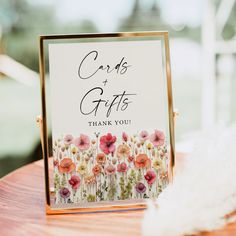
[68,139]
[157,138]
[143,135]
[64,192]
[140,187]
[150,177]
[56,163]
[107,143]
[74,181]
[110,169]
[130,158]
[124,137]
[122,167]
[82,142]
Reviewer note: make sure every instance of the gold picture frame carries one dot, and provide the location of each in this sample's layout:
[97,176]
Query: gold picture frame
[42,120]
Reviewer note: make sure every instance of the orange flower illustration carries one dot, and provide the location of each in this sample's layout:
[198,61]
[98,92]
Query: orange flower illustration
[101,158]
[97,169]
[123,151]
[66,165]
[90,179]
[142,161]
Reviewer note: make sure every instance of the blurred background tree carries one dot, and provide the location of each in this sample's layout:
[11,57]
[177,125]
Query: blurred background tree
[149,18]
[22,22]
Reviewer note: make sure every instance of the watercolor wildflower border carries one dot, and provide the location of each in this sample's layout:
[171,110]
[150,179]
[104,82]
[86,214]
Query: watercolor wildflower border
[107,168]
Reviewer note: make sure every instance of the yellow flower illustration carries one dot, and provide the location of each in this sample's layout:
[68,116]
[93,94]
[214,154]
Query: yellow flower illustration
[149,146]
[82,169]
[157,164]
[74,150]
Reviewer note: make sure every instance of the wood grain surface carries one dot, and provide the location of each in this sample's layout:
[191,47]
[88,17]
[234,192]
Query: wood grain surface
[22,212]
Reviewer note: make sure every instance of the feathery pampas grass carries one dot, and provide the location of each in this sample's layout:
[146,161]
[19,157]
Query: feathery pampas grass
[203,192]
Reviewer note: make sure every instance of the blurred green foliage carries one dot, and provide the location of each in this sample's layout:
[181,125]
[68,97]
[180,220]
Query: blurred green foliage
[22,23]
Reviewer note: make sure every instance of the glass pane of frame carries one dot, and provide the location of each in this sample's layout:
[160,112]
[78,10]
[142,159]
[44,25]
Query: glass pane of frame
[108,138]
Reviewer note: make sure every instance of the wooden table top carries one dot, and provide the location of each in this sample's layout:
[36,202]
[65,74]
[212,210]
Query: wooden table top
[22,212]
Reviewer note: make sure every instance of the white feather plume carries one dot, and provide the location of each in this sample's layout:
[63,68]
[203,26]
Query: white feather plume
[203,191]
